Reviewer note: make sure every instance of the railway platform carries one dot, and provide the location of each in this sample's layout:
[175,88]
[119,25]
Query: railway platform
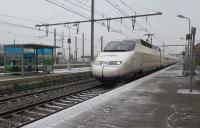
[160,100]
[8,76]
[10,81]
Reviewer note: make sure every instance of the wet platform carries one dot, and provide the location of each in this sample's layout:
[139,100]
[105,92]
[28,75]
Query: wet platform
[151,102]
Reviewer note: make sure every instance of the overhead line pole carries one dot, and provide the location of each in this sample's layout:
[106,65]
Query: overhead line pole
[83,45]
[76,49]
[92,31]
[101,43]
[55,47]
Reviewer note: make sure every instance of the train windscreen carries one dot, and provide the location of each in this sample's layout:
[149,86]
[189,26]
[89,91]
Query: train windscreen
[119,46]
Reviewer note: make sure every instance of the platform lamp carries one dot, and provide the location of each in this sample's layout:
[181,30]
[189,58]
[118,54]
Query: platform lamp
[188,53]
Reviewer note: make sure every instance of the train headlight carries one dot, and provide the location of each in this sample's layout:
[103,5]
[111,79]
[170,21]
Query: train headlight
[98,62]
[115,62]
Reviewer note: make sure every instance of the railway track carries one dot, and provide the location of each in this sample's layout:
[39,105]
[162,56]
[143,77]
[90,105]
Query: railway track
[22,107]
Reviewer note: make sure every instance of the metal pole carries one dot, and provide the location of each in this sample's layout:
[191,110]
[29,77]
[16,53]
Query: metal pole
[192,57]
[52,59]
[55,46]
[185,59]
[69,42]
[5,61]
[22,55]
[188,49]
[164,47]
[83,41]
[101,43]
[69,57]
[63,51]
[76,48]
[92,31]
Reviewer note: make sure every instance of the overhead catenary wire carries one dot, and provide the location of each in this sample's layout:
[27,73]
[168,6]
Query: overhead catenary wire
[130,8]
[99,13]
[23,19]
[96,11]
[135,12]
[59,4]
[117,8]
[62,5]
[143,18]
[20,18]
[78,5]
[24,26]
[27,27]
[137,6]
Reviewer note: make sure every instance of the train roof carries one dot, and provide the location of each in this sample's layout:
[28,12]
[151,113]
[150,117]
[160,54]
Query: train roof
[144,43]
[197,45]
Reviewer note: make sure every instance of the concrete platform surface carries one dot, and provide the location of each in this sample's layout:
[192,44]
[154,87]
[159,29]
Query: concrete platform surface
[150,102]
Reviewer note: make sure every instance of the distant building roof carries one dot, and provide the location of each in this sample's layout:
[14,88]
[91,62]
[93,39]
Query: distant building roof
[197,45]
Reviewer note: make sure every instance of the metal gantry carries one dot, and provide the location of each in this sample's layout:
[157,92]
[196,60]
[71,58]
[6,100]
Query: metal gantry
[93,20]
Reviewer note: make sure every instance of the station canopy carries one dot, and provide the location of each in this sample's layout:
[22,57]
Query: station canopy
[24,58]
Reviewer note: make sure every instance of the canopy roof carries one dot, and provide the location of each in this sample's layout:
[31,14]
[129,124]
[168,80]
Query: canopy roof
[35,46]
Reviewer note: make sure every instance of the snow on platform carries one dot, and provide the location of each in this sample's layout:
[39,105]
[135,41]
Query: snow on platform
[187,91]
[150,102]
[72,70]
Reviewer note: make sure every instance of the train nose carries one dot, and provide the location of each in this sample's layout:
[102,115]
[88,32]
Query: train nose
[110,71]
[105,71]
[97,71]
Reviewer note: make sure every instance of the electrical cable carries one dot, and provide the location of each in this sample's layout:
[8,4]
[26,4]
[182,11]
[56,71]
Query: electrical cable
[20,18]
[59,4]
[23,26]
[117,8]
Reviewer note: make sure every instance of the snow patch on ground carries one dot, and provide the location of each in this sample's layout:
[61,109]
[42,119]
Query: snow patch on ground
[187,91]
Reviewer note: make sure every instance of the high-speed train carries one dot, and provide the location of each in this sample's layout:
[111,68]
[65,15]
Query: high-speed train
[121,59]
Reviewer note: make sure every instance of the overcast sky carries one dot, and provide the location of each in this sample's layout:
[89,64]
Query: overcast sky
[167,27]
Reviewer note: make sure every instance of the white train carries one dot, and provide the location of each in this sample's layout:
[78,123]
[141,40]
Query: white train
[126,58]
